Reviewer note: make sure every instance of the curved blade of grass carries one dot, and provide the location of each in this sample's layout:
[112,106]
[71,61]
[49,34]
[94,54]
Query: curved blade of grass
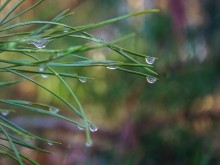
[103,23]
[3,84]
[12,146]
[24,11]
[85,120]
[119,50]
[11,11]
[18,132]
[38,84]
[25,131]
[134,72]
[34,109]
[23,144]
[35,23]
[51,73]
[57,18]
[22,155]
[14,34]
[9,155]
[4,5]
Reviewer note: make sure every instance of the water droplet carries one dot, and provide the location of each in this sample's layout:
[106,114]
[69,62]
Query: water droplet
[81,128]
[66,30]
[42,69]
[40,43]
[54,109]
[83,80]
[58,54]
[151,79]
[5,112]
[29,141]
[49,143]
[93,128]
[44,76]
[150,60]
[111,67]
[89,143]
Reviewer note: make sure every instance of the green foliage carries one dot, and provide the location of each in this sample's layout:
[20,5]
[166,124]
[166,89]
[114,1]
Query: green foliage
[31,61]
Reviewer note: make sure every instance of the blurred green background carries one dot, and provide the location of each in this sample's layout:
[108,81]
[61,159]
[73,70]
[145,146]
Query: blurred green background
[173,121]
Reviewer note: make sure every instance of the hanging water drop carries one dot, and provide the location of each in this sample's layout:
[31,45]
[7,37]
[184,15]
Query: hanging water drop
[150,60]
[58,54]
[42,69]
[83,79]
[40,43]
[44,76]
[66,30]
[89,143]
[93,128]
[111,67]
[151,79]
[81,128]
[50,144]
[54,109]
[5,112]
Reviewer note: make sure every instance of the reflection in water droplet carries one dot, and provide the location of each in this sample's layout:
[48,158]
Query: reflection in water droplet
[93,128]
[66,30]
[150,60]
[40,43]
[44,76]
[29,141]
[81,128]
[58,54]
[111,67]
[5,112]
[151,79]
[42,69]
[83,80]
[89,143]
[49,143]
[54,109]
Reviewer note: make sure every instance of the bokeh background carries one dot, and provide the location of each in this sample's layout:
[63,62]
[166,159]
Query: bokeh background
[173,121]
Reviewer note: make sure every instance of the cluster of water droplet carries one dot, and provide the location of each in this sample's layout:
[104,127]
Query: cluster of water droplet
[40,43]
[92,128]
[150,60]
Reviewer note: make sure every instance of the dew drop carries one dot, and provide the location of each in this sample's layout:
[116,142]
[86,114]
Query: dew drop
[89,143]
[150,60]
[83,80]
[111,67]
[44,76]
[58,54]
[40,43]
[81,128]
[54,109]
[93,128]
[29,141]
[42,69]
[65,30]
[151,79]
[50,144]
[5,112]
